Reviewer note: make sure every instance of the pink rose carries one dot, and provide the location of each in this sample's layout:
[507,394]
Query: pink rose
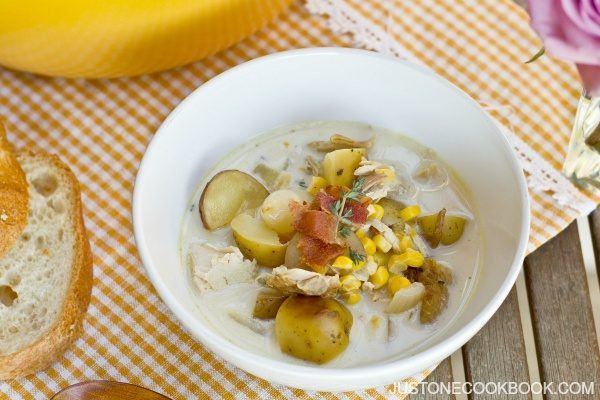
[570,30]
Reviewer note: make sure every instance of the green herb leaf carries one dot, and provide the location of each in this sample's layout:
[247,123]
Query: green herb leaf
[536,55]
[345,221]
[356,257]
[348,213]
[358,184]
[338,208]
[345,231]
[302,183]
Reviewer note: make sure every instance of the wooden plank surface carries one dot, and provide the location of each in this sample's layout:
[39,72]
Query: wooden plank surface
[562,318]
[595,228]
[564,330]
[442,374]
[497,352]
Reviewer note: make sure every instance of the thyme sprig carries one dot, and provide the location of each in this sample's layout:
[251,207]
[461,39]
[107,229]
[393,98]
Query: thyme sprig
[356,257]
[343,222]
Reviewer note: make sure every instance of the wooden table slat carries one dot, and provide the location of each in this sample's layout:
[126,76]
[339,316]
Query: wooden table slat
[595,229]
[563,324]
[442,374]
[497,352]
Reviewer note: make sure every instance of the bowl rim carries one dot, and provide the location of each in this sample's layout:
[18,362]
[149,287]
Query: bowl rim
[351,377]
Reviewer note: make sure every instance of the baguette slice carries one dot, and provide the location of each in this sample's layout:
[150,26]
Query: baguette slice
[46,277]
[14,197]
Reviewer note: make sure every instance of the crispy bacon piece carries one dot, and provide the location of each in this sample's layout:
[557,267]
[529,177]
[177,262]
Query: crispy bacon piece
[318,254]
[297,207]
[317,224]
[324,201]
[359,212]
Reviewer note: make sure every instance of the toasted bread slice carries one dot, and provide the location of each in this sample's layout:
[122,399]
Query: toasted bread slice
[14,197]
[46,277]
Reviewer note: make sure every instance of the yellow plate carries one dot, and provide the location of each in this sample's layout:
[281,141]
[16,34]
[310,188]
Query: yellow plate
[108,38]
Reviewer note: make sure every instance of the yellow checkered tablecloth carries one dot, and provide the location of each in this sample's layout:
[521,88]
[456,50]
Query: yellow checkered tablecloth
[101,129]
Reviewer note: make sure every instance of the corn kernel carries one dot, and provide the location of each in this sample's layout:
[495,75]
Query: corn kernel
[396,264]
[361,233]
[350,282]
[406,243]
[380,277]
[316,184]
[411,257]
[369,246]
[352,297]
[381,243]
[396,283]
[390,175]
[409,213]
[381,258]
[342,262]
[377,212]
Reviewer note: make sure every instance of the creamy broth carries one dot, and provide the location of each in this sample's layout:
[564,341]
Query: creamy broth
[374,336]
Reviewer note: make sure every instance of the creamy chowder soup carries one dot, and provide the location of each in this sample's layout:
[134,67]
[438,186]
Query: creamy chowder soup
[334,243]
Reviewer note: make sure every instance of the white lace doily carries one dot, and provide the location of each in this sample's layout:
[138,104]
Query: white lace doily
[541,176]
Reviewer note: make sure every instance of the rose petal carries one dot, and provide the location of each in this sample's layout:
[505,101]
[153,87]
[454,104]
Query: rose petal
[561,36]
[583,14]
[590,75]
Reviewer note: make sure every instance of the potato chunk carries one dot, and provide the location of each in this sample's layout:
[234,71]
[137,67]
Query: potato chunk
[257,241]
[229,193]
[313,328]
[267,304]
[339,166]
[441,228]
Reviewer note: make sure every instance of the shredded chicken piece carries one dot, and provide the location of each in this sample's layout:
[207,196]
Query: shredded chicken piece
[368,287]
[312,166]
[406,298]
[376,184]
[213,267]
[372,180]
[387,233]
[376,295]
[367,167]
[337,142]
[367,270]
[417,240]
[297,280]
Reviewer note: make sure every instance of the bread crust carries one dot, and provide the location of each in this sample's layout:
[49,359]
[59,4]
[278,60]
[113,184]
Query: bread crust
[14,196]
[69,325]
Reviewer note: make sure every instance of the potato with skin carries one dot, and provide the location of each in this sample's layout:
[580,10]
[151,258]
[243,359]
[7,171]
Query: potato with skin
[267,304]
[453,229]
[432,226]
[229,193]
[441,228]
[314,329]
[257,241]
[339,166]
